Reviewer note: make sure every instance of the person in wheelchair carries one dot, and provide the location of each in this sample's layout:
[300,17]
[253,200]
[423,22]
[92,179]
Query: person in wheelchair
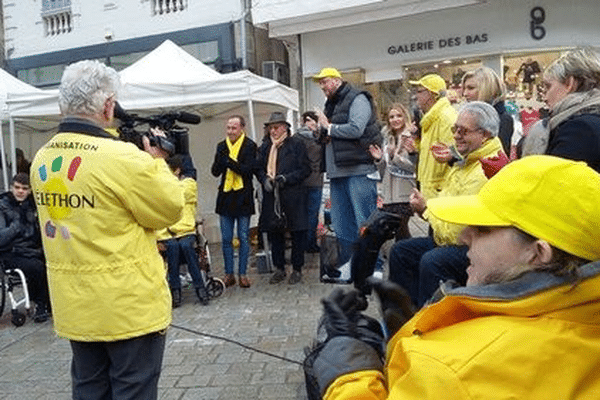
[21,242]
[178,240]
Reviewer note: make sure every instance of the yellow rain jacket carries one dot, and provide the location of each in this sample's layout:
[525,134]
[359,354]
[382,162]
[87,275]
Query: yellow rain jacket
[100,201]
[537,337]
[462,180]
[435,127]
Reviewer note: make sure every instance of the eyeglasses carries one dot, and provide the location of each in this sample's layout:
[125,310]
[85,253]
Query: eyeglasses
[461,130]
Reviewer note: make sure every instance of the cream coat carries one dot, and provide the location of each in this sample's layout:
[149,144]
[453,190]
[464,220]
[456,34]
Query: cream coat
[100,201]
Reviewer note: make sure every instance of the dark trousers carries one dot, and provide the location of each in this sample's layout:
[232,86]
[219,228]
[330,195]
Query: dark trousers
[35,275]
[418,265]
[277,242]
[120,370]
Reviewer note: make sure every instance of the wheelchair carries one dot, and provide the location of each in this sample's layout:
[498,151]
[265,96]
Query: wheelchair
[214,286]
[10,279]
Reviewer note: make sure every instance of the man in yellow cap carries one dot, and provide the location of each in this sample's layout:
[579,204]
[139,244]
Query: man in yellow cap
[438,118]
[527,325]
[348,125]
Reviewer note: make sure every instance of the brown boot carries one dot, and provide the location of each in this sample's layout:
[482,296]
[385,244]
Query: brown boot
[229,280]
[244,281]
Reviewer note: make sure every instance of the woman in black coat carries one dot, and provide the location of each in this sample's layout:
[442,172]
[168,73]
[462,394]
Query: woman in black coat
[282,167]
[572,93]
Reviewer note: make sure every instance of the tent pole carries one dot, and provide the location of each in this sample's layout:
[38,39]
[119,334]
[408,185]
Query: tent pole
[251,116]
[4,172]
[13,155]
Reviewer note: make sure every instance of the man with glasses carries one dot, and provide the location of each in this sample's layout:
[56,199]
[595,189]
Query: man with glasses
[419,264]
[438,118]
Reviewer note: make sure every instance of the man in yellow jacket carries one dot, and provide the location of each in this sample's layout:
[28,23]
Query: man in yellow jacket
[100,200]
[418,264]
[526,326]
[438,117]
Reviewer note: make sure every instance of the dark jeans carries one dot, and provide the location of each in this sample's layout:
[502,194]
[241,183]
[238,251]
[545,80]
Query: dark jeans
[314,205]
[175,249]
[123,370]
[277,242]
[418,265]
[35,275]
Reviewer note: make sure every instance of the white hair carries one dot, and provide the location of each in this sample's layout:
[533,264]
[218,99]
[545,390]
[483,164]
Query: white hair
[486,116]
[85,86]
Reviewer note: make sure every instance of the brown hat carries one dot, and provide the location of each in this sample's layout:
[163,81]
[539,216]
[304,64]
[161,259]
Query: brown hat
[277,117]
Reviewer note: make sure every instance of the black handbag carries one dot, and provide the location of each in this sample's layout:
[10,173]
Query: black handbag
[279,219]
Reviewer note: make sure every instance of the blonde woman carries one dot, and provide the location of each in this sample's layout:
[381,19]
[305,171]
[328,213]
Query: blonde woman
[396,166]
[483,84]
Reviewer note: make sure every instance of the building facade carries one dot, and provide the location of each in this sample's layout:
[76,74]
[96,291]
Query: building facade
[43,36]
[380,45]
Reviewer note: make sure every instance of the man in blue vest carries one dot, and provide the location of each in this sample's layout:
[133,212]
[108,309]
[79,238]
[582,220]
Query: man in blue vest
[348,125]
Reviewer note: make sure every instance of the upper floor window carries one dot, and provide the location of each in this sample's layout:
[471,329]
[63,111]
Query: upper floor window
[168,6]
[57,17]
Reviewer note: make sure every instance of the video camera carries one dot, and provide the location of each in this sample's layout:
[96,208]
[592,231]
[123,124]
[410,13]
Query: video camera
[176,140]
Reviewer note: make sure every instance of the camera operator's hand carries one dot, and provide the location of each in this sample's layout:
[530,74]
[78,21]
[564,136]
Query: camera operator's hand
[280,180]
[154,151]
[268,184]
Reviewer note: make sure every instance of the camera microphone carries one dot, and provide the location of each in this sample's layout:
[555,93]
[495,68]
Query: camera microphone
[187,118]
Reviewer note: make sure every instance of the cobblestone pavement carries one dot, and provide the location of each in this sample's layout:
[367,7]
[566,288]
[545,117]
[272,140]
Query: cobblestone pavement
[279,319]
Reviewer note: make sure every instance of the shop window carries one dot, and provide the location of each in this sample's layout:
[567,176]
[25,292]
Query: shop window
[160,7]
[57,17]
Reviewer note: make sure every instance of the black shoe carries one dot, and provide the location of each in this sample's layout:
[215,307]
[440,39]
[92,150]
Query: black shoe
[41,313]
[202,296]
[295,277]
[277,277]
[176,296]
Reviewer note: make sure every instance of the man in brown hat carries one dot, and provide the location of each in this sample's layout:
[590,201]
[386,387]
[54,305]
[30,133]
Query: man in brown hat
[350,123]
[282,167]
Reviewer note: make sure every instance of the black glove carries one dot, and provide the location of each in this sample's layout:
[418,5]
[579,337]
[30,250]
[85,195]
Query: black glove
[280,180]
[268,184]
[395,302]
[353,342]
[340,356]
[230,163]
[224,153]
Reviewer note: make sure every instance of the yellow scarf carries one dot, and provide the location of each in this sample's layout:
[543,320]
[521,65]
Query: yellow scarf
[272,160]
[233,181]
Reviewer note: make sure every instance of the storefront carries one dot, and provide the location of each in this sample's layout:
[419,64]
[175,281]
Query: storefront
[504,35]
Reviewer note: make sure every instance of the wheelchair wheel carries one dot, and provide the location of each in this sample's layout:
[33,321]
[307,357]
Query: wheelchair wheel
[18,318]
[215,287]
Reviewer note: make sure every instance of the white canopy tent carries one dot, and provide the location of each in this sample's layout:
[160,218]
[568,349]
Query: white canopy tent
[168,78]
[14,91]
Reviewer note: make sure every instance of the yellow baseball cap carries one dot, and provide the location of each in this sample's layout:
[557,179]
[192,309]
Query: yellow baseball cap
[327,72]
[432,82]
[551,198]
